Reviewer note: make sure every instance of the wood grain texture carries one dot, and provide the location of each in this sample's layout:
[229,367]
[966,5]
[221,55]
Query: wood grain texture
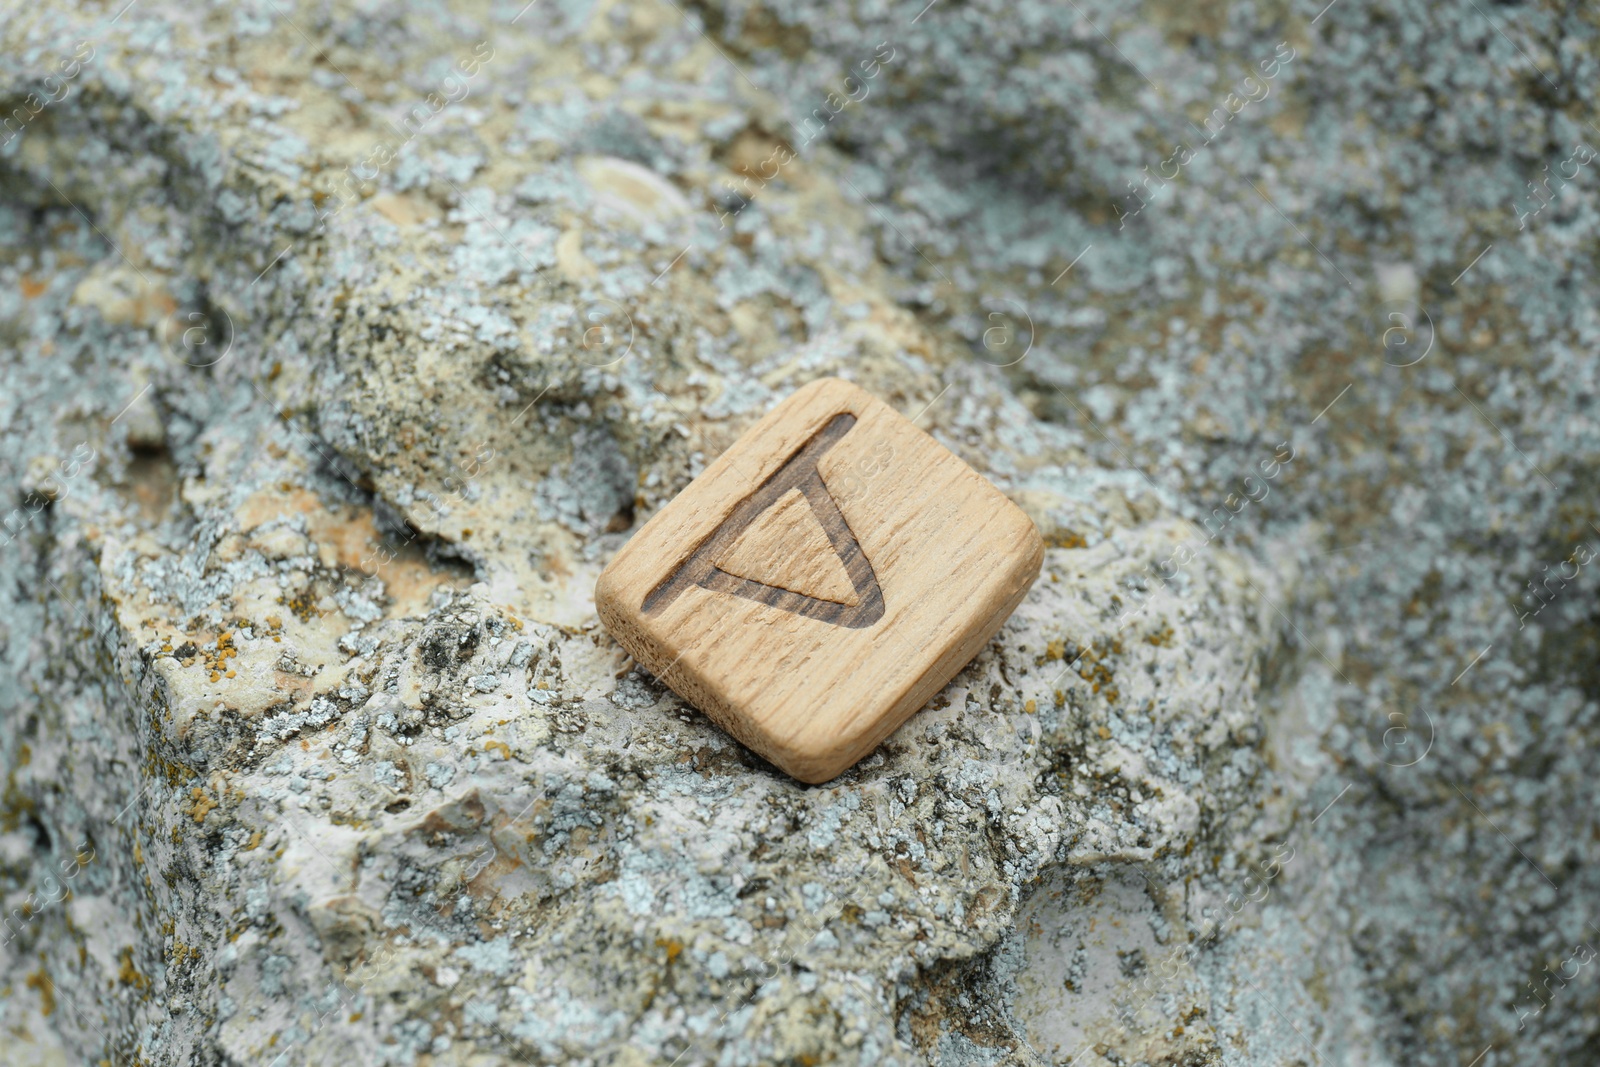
[821,580]
[787,547]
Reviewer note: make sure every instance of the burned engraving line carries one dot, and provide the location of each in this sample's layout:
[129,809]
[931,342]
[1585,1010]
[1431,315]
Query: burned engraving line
[800,472]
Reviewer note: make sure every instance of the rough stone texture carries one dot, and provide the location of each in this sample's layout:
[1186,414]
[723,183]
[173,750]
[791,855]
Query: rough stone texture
[315,753]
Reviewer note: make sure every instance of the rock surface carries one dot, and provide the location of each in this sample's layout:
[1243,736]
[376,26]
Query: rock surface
[348,344]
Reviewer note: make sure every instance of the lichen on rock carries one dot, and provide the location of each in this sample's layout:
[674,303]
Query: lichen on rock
[348,345]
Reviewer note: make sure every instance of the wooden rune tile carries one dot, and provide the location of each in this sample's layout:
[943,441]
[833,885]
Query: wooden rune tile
[821,580]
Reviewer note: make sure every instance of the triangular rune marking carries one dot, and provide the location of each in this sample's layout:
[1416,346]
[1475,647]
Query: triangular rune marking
[798,474]
[787,548]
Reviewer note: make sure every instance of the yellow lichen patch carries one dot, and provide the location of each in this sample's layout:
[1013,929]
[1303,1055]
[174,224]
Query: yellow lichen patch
[40,982]
[14,803]
[216,660]
[173,774]
[1099,676]
[1162,638]
[128,974]
[498,746]
[253,843]
[673,946]
[180,953]
[201,806]
[1094,670]
[303,606]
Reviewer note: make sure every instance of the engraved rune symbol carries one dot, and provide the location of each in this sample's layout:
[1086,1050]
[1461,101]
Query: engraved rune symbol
[791,533]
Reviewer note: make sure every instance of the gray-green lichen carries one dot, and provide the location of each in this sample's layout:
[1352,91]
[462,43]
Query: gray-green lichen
[347,345]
